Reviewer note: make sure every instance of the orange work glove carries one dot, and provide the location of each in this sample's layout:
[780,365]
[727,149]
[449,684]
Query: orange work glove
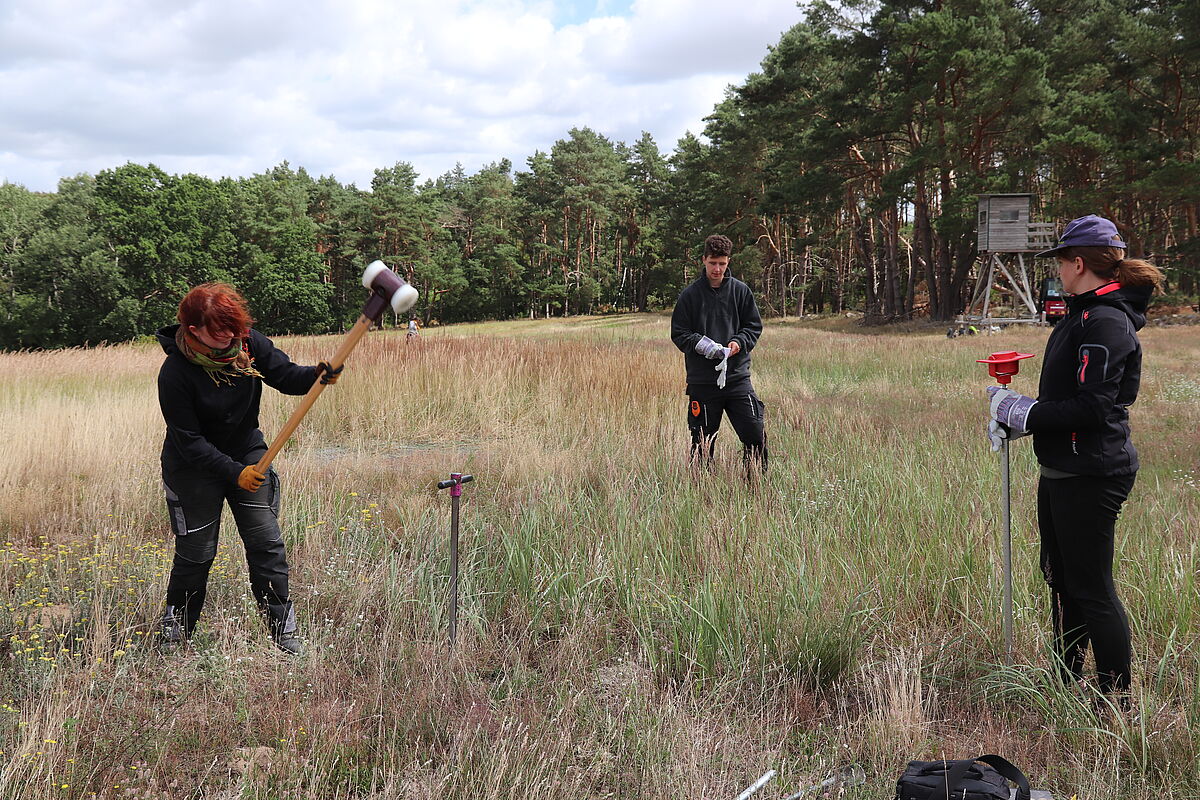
[251,478]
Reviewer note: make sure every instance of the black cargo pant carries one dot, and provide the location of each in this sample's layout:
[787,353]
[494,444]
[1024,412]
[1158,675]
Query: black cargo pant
[195,500]
[746,415]
[1077,520]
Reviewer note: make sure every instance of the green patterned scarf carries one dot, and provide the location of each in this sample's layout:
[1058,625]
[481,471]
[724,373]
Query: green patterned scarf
[221,365]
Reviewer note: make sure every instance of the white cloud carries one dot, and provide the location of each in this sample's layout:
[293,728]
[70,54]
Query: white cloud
[233,87]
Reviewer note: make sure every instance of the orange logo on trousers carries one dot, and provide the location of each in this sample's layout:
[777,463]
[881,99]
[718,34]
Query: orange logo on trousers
[695,408]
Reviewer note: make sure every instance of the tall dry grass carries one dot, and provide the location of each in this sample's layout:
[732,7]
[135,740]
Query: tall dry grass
[627,629]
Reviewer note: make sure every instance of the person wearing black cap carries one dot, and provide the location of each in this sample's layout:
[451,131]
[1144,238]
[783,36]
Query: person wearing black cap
[1080,427]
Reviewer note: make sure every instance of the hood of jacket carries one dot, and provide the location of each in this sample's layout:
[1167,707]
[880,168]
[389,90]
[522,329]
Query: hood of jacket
[1130,300]
[166,338]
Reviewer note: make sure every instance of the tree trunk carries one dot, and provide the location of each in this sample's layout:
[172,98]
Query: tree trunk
[923,242]
[862,237]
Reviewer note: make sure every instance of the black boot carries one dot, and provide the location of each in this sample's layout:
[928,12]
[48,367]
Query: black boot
[173,631]
[281,619]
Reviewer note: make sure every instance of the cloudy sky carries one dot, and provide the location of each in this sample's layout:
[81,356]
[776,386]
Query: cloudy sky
[341,87]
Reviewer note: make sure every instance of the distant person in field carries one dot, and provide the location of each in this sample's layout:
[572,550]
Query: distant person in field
[1080,427]
[412,329]
[716,324]
[209,389]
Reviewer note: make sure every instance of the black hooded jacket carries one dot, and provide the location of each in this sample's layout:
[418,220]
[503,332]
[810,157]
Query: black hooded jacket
[1090,377]
[213,426]
[724,314]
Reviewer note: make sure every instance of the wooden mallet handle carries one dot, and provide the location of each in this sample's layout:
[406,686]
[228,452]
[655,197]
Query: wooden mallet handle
[387,289]
[356,333]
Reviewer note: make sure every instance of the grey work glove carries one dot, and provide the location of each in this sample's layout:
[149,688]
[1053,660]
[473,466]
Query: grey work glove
[998,432]
[1010,409]
[996,435]
[710,349]
[722,367]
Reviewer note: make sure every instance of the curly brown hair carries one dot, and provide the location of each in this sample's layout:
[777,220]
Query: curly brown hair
[718,246]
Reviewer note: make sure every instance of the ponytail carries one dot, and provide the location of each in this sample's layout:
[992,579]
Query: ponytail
[1137,272]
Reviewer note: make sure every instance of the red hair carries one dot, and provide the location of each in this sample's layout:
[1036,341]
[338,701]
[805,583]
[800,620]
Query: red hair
[218,306]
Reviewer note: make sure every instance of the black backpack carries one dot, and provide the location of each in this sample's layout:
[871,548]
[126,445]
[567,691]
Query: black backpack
[982,778]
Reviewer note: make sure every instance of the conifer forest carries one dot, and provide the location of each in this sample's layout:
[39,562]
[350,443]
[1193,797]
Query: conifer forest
[846,171]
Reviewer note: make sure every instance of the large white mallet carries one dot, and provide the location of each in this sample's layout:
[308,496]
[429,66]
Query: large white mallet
[387,290]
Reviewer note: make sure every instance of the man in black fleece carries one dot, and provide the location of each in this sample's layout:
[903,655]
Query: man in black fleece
[716,324]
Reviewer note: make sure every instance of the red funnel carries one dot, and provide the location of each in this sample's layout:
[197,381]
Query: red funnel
[1003,366]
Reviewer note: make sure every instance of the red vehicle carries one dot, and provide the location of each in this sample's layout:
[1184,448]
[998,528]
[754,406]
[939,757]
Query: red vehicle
[1053,301]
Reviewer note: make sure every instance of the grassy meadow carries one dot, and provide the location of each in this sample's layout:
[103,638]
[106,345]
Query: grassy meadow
[627,630]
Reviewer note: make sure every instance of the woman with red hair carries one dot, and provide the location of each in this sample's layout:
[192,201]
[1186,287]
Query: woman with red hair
[209,389]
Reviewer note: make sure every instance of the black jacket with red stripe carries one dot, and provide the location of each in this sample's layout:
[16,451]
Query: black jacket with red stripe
[1090,377]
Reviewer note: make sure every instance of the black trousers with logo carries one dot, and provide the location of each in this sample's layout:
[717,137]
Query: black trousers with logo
[1077,521]
[195,501]
[746,415]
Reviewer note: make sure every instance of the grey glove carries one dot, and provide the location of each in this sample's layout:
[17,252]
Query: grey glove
[722,368]
[710,349]
[996,435]
[1010,409]
[998,432]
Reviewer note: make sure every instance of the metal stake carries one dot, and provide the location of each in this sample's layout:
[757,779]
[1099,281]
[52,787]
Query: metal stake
[457,479]
[852,775]
[1006,550]
[1003,367]
[758,784]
